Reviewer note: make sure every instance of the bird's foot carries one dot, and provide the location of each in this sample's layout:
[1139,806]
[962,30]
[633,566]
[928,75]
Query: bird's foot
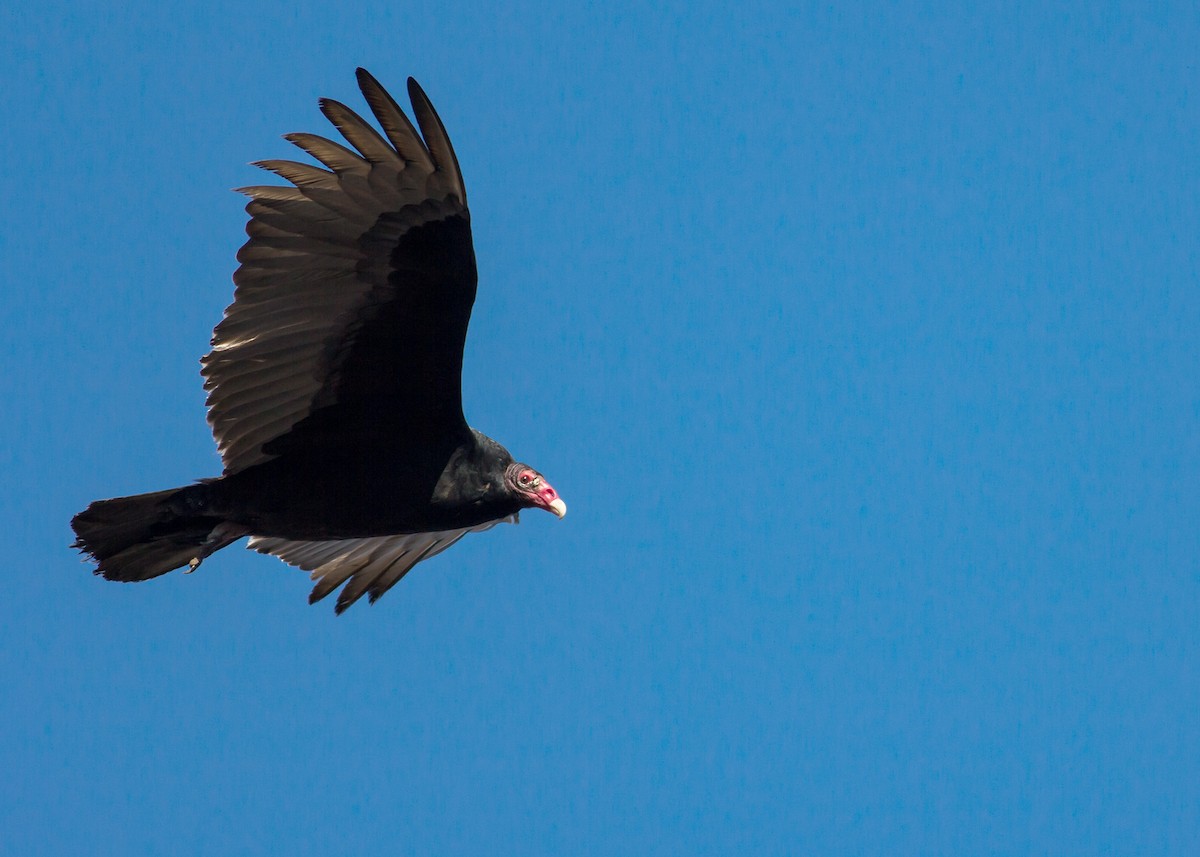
[221,535]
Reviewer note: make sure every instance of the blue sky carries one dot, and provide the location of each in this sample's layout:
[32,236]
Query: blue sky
[860,341]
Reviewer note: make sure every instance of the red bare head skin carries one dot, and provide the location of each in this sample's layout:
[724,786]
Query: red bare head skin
[534,489]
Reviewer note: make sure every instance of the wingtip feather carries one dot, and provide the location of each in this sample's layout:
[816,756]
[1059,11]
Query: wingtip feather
[436,138]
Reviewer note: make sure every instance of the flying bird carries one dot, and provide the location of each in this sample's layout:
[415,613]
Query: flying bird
[334,380]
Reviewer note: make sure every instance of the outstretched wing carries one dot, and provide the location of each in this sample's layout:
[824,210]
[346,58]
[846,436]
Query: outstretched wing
[372,566]
[354,292]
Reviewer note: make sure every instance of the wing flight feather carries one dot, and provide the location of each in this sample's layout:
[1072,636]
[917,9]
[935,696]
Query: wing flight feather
[367,566]
[313,264]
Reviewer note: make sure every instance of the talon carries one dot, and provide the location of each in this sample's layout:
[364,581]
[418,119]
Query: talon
[221,535]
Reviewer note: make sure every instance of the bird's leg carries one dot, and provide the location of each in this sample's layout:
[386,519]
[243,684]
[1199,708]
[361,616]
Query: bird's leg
[223,534]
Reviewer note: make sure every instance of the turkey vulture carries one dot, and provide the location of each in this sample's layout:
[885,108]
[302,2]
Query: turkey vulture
[334,380]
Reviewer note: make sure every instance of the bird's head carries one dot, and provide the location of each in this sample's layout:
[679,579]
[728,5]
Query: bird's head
[533,489]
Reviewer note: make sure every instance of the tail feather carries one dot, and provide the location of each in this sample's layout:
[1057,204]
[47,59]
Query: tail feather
[141,537]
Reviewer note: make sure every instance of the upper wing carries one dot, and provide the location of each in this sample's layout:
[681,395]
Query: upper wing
[354,291]
[373,566]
